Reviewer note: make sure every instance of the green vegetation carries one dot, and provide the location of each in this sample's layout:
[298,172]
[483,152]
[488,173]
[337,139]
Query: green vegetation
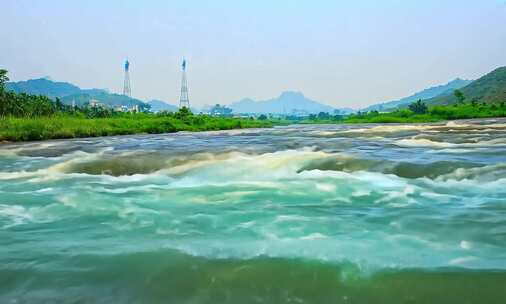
[419,112]
[66,126]
[419,107]
[459,95]
[32,117]
[320,118]
[12,104]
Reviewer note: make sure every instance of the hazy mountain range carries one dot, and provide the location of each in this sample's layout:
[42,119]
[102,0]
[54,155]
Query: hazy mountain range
[489,88]
[446,89]
[287,103]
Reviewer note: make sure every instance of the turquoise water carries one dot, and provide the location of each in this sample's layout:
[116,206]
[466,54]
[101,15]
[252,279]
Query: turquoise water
[297,214]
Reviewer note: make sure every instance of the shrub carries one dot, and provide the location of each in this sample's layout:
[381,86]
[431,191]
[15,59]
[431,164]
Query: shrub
[418,107]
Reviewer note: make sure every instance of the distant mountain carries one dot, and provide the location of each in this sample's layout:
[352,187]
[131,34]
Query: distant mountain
[109,99]
[159,105]
[69,93]
[489,88]
[441,90]
[286,103]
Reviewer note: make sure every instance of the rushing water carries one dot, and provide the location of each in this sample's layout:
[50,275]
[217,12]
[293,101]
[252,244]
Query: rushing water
[297,214]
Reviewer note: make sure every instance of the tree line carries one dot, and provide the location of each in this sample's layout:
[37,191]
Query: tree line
[23,105]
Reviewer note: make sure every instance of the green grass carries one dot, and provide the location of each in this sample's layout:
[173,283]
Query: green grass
[435,114]
[66,126]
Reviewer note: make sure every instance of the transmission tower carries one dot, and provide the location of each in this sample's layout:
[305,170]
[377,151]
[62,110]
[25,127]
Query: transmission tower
[184,101]
[126,86]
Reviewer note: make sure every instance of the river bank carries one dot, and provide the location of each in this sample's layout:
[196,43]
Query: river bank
[64,126]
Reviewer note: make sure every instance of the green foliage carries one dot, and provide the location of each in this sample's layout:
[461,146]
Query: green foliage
[321,118]
[323,115]
[23,105]
[64,125]
[418,107]
[460,96]
[183,113]
[29,106]
[3,79]
[432,114]
[97,112]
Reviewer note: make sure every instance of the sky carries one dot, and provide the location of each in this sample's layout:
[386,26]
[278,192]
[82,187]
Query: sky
[342,53]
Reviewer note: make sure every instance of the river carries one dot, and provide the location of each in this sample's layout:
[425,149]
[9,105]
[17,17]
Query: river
[296,214]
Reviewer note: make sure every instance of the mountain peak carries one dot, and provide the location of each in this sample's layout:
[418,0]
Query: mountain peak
[291,94]
[459,81]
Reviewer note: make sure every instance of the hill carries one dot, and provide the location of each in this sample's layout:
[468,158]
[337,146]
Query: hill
[159,105]
[112,100]
[69,93]
[43,86]
[489,88]
[286,103]
[441,90]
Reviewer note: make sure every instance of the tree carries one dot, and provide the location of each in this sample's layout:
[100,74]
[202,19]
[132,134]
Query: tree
[23,105]
[219,110]
[459,95]
[144,107]
[323,115]
[3,78]
[418,107]
[262,117]
[184,112]
[59,105]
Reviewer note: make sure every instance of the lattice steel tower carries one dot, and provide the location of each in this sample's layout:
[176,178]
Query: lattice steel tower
[126,86]
[184,101]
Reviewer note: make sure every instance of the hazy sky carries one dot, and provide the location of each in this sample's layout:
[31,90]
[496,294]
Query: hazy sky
[343,53]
